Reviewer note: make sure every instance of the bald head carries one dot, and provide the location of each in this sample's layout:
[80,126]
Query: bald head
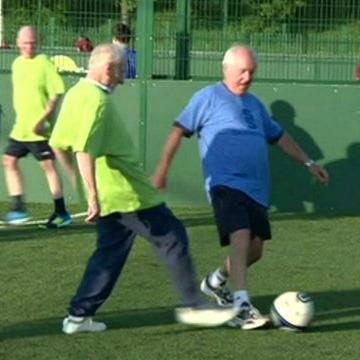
[26,31]
[27,41]
[107,64]
[239,65]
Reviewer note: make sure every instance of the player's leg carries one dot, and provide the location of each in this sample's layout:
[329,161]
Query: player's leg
[239,252]
[168,236]
[52,177]
[60,216]
[66,161]
[45,156]
[13,175]
[14,181]
[234,221]
[103,269]
[260,231]
[215,283]
[255,251]
[249,317]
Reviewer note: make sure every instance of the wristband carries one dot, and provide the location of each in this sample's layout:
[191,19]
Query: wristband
[309,163]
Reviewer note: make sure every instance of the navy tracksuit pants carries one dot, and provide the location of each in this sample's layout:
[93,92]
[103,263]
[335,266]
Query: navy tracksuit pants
[116,234]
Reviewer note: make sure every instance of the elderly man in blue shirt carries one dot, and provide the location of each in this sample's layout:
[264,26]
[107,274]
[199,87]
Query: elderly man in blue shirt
[234,130]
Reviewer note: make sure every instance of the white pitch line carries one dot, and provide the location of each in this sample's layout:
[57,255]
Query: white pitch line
[38,222]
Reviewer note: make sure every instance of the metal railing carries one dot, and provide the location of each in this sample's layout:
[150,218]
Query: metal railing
[310,40]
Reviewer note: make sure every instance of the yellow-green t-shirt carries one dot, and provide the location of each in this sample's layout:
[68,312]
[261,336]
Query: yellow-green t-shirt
[88,122]
[35,81]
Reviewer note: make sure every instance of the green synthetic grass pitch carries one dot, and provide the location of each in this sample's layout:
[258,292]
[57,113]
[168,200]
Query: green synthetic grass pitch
[40,271]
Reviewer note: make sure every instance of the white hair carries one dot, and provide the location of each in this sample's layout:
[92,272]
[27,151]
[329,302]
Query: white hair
[107,54]
[231,54]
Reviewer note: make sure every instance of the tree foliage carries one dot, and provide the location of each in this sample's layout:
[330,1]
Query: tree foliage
[270,17]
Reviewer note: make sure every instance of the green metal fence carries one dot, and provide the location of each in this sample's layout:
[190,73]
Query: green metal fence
[60,24]
[309,40]
[296,40]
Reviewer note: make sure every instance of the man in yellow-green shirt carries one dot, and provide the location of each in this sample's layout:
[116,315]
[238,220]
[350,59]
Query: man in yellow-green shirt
[37,87]
[120,198]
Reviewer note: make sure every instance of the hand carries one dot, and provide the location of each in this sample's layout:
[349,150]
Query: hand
[320,173]
[93,211]
[40,127]
[158,180]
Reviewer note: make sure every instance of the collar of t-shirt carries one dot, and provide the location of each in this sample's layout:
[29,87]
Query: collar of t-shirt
[106,88]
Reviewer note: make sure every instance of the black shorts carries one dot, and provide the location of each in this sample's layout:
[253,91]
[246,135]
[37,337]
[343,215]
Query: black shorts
[40,149]
[234,210]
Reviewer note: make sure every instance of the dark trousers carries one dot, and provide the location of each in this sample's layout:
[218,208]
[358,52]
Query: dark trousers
[116,234]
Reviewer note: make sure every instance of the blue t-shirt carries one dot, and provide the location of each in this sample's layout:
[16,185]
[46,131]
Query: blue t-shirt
[131,63]
[233,134]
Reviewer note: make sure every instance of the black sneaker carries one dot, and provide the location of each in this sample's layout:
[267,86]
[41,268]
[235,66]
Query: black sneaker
[57,221]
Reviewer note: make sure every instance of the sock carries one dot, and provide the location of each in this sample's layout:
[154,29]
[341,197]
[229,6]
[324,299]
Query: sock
[217,278]
[77,319]
[18,203]
[241,297]
[60,206]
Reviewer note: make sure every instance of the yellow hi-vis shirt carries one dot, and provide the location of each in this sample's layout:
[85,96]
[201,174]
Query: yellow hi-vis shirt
[88,122]
[35,82]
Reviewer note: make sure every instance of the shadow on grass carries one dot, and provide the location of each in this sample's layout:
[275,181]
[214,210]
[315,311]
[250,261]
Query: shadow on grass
[342,326]
[114,320]
[198,221]
[275,216]
[206,217]
[199,218]
[335,311]
[34,232]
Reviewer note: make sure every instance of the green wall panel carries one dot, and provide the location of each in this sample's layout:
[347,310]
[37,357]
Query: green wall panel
[325,121]
[323,118]
[126,99]
[165,101]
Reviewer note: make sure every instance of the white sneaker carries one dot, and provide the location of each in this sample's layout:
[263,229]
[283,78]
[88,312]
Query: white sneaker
[221,294]
[205,315]
[248,318]
[71,326]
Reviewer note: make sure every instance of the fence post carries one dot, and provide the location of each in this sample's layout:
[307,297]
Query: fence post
[52,32]
[38,19]
[182,58]
[144,59]
[144,38]
[1,25]
[109,30]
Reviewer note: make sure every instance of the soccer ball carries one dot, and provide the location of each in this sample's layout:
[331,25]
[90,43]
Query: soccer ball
[292,310]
